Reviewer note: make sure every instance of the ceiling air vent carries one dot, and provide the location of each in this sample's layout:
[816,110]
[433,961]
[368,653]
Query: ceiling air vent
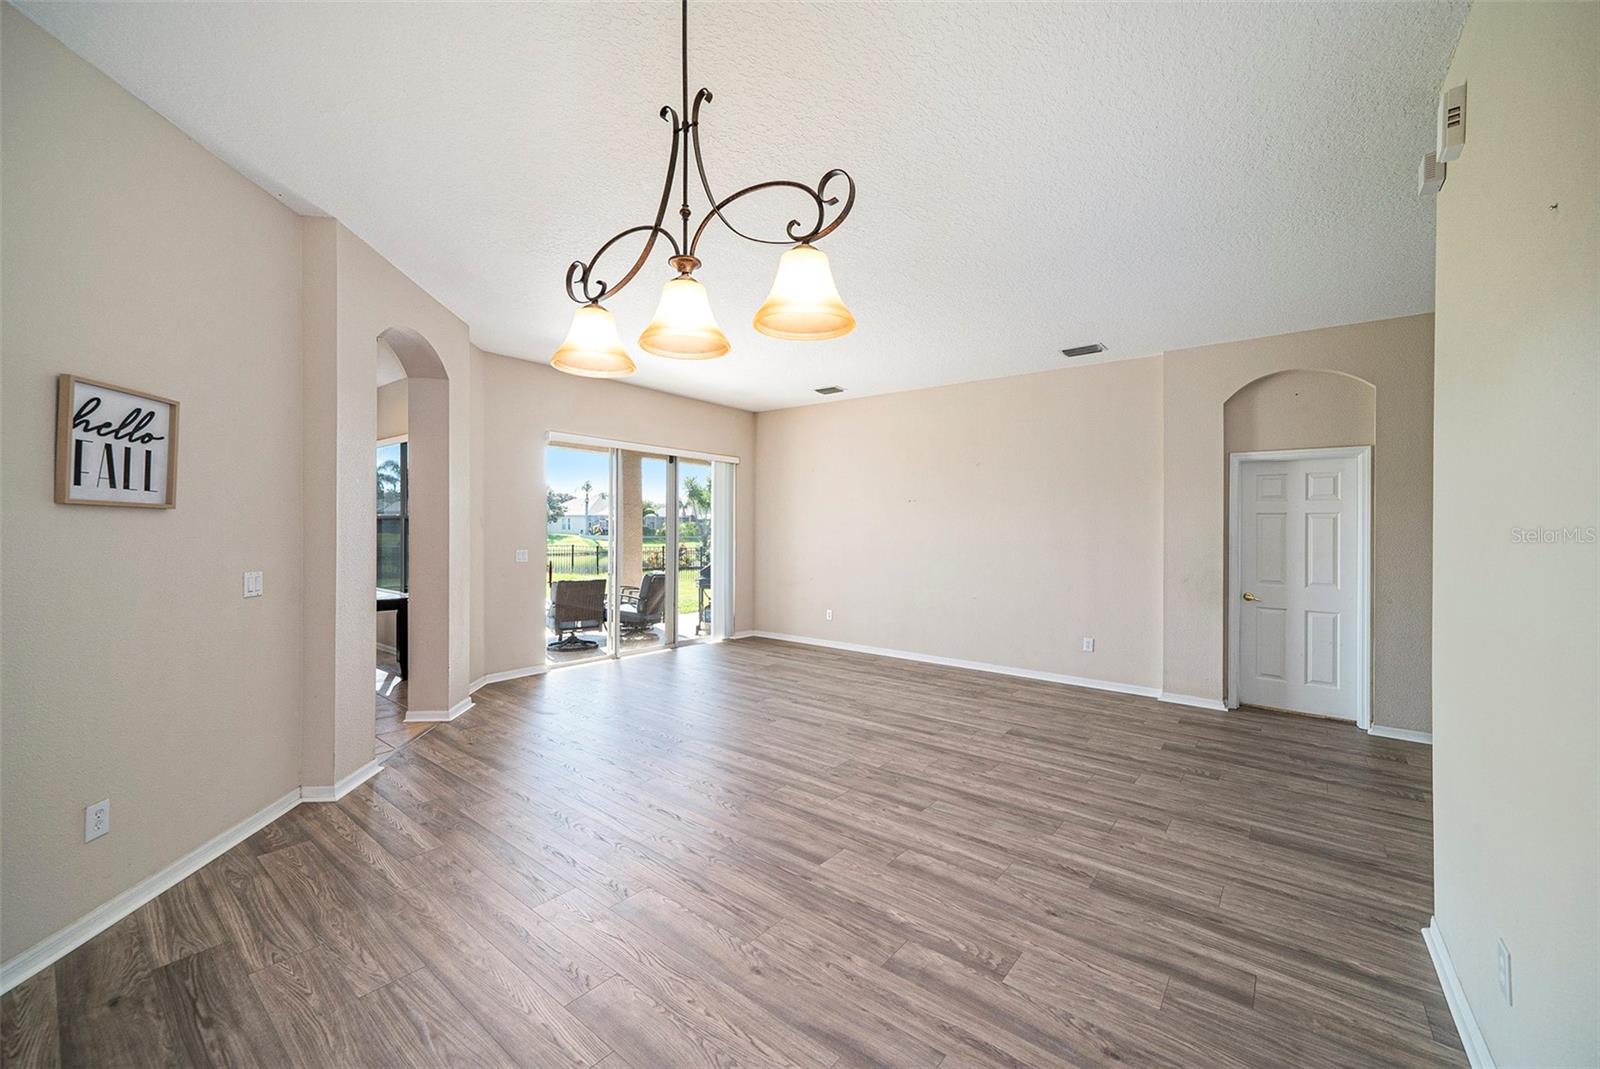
[827,390]
[1083,350]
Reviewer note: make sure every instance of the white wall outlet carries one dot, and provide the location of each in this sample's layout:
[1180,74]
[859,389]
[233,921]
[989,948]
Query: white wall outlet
[522,556]
[830,615]
[96,819]
[1088,644]
[252,584]
[1502,969]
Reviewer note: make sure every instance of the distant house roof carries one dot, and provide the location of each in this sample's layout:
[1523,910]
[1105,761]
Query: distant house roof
[599,503]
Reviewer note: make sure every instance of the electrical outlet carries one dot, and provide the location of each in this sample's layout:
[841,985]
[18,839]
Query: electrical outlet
[1502,969]
[830,615]
[96,819]
[1088,644]
[252,584]
[522,556]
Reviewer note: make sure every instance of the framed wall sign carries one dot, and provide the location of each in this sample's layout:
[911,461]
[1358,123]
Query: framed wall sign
[115,446]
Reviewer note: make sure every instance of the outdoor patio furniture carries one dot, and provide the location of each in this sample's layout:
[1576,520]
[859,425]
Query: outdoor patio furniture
[576,605]
[645,606]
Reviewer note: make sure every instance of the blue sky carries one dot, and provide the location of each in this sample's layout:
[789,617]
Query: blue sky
[565,469]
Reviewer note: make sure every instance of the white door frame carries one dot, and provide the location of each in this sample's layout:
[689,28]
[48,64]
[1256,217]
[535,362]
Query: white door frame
[1363,454]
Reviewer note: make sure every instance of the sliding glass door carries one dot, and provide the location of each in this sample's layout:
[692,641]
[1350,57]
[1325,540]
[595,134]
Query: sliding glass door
[694,484]
[643,535]
[633,562]
[578,557]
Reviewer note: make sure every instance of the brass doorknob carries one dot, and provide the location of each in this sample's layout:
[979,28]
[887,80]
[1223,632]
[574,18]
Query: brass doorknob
[1250,597]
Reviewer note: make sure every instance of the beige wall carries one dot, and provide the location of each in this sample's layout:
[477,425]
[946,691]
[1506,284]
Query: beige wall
[1396,357]
[997,522]
[1516,759]
[518,404]
[1090,501]
[367,297]
[392,409]
[132,666]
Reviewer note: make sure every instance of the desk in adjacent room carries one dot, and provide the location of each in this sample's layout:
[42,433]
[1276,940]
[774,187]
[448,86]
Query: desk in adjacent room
[394,601]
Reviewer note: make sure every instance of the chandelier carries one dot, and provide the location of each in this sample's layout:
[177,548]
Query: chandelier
[804,303]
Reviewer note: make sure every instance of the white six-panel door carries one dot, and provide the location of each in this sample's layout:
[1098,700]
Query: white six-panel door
[1300,585]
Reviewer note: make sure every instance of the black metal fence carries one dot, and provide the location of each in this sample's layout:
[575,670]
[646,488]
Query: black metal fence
[577,558]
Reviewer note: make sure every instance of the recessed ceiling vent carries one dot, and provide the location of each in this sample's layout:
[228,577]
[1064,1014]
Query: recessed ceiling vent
[1083,350]
[827,390]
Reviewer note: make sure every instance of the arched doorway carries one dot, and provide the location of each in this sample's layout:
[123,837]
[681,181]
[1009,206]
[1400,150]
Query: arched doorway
[412,519]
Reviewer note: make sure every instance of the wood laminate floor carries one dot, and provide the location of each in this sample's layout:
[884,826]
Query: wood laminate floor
[763,854]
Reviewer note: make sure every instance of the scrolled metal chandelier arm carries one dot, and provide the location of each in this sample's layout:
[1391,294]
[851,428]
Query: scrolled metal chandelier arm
[849,202]
[792,239]
[579,271]
[582,288]
[817,231]
[803,304]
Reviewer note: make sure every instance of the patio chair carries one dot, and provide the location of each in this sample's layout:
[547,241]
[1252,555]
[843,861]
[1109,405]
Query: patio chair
[576,605]
[646,606]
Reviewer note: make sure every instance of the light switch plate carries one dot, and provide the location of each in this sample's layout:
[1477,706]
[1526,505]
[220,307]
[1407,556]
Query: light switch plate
[252,584]
[522,556]
[1088,645]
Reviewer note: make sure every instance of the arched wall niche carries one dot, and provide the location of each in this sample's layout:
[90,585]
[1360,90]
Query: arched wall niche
[1302,408]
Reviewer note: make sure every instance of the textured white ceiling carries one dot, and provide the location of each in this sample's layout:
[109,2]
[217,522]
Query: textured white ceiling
[1031,176]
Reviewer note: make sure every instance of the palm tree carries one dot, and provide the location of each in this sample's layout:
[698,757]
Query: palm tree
[586,487]
[698,496]
[388,482]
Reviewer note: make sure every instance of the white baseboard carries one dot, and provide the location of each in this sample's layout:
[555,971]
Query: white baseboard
[952,662]
[344,786]
[1403,734]
[1455,998]
[501,677]
[1214,704]
[438,716]
[52,948]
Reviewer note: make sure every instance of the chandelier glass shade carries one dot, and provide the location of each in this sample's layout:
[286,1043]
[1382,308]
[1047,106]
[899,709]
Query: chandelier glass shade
[683,327]
[804,304]
[593,349]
